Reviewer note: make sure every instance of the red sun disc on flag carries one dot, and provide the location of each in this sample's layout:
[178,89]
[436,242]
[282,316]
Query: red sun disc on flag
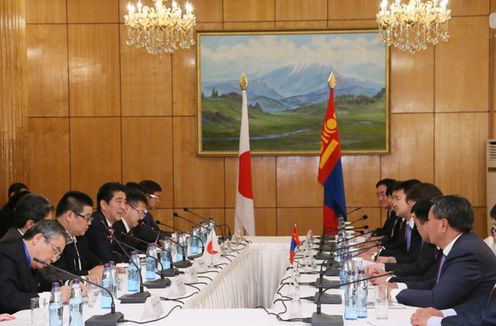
[210,250]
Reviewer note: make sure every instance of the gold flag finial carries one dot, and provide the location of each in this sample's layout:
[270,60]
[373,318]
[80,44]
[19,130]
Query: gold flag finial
[243,83]
[332,81]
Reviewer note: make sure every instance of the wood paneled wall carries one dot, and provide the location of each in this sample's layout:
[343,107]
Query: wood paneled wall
[101,111]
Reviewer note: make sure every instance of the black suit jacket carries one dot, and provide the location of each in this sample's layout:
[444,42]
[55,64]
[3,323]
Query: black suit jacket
[68,261]
[100,242]
[468,272]
[11,234]
[17,281]
[421,262]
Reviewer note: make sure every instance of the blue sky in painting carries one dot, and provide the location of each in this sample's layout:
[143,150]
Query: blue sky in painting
[225,57]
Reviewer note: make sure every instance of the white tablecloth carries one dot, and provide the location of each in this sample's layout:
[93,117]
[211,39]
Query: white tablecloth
[250,279]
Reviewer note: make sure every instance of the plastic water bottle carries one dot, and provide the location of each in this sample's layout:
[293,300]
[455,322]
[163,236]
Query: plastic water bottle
[76,305]
[350,297]
[193,241]
[56,306]
[166,255]
[183,246]
[150,262]
[133,273]
[362,295]
[107,282]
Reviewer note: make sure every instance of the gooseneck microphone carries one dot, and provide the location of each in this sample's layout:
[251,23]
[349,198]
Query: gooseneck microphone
[363,218]
[353,210]
[138,297]
[109,319]
[203,219]
[160,283]
[185,219]
[354,237]
[321,319]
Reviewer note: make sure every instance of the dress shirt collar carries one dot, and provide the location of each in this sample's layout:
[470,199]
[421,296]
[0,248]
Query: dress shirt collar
[20,232]
[411,223]
[126,225]
[450,245]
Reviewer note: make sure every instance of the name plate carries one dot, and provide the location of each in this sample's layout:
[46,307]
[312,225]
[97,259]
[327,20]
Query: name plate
[153,308]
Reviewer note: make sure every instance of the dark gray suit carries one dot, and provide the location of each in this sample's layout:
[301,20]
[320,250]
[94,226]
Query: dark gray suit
[469,272]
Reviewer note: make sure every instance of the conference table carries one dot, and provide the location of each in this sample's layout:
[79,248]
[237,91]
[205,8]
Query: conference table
[229,292]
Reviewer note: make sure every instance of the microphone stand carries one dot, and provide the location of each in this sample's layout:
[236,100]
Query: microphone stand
[160,283]
[220,225]
[138,297]
[109,319]
[322,319]
[183,263]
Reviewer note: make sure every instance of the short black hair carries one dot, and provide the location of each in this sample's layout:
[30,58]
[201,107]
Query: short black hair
[14,200]
[150,186]
[73,201]
[16,187]
[49,228]
[406,185]
[493,212]
[421,210]
[31,207]
[456,209]
[134,196]
[388,182]
[423,191]
[107,191]
[131,185]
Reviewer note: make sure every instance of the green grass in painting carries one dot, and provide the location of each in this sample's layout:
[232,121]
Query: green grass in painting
[361,126]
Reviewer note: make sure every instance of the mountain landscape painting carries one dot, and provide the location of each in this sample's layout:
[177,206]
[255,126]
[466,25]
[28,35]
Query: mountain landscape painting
[288,91]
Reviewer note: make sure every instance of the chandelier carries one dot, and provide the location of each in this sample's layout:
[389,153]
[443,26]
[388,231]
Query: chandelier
[160,30]
[411,27]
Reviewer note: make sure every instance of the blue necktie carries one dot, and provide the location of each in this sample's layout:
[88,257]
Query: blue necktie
[408,237]
[441,263]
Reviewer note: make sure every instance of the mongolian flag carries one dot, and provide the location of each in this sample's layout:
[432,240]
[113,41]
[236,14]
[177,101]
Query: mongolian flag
[244,216]
[295,241]
[330,168]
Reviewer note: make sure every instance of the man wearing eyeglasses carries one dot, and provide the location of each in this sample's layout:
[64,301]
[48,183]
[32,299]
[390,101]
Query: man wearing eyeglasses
[73,212]
[130,223]
[152,190]
[18,270]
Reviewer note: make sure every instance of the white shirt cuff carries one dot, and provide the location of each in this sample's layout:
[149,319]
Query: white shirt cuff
[434,321]
[449,312]
[394,292]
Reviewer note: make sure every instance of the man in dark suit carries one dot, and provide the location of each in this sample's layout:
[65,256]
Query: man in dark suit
[45,241]
[74,214]
[467,269]
[152,191]
[30,209]
[128,226]
[381,190]
[419,258]
[111,207]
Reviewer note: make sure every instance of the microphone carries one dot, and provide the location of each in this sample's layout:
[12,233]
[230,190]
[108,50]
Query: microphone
[353,210]
[319,318]
[185,219]
[356,236]
[158,222]
[160,283]
[138,297]
[363,218]
[111,318]
[196,214]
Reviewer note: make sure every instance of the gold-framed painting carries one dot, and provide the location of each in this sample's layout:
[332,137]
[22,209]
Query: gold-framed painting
[288,91]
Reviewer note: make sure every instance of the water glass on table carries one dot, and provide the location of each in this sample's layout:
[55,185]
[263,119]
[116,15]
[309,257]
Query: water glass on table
[381,301]
[39,311]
